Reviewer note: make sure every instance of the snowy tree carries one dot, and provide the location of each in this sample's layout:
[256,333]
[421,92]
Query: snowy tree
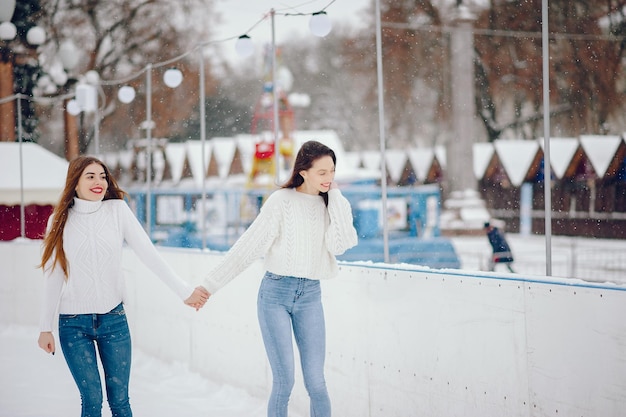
[118,39]
[586,67]
[19,57]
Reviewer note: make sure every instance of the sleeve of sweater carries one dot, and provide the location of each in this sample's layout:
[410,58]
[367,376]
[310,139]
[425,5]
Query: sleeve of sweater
[341,234]
[141,244]
[53,281]
[251,245]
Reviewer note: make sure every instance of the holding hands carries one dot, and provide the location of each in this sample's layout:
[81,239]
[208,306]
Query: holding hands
[198,298]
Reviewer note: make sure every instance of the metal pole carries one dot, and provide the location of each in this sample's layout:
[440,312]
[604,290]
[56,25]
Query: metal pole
[19,134]
[149,149]
[96,130]
[381,127]
[547,169]
[275,101]
[203,142]
[460,174]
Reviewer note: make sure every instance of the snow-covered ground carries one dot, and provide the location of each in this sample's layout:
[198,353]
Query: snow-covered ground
[35,384]
[597,260]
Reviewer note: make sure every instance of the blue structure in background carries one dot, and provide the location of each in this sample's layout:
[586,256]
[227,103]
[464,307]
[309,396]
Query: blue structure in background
[413,222]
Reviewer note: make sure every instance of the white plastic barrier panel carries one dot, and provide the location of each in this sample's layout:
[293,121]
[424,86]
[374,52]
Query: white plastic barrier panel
[401,341]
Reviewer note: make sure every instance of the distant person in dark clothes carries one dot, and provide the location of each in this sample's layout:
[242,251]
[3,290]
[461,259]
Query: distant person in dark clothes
[501,250]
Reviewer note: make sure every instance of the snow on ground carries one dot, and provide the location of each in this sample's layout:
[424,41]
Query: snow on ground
[35,384]
[597,260]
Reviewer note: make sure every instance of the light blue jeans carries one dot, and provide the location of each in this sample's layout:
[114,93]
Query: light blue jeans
[79,334]
[287,303]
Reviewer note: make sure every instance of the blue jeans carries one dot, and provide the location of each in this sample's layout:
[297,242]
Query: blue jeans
[285,303]
[79,334]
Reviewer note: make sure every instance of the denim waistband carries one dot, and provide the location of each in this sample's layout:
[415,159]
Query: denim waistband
[271,275]
[117,309]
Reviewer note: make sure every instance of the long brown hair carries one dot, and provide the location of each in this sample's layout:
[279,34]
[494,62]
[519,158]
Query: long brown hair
[53,242]
[309,152]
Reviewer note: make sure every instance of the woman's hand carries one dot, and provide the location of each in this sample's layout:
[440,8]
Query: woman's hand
[198,298]
[46,342]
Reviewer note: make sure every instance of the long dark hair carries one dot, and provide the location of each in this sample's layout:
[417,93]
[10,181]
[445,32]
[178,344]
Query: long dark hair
[309,152]
[53,242]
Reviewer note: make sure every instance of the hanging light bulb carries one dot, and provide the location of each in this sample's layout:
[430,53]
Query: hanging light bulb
[173,77]
[92,77]
[320,25]
[244,46]
[69,55]
[126,94]
[7,8]
[7,31]
[73,108]
[36,36]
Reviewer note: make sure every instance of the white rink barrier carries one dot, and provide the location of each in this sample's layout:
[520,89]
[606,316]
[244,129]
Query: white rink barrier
[402,341]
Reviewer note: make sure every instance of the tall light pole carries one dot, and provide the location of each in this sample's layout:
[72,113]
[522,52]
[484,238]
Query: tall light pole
[172,78]
[320,26]
[547,187]
[68,54]
[459,167]
[381,127]
[7,33]
[275,126]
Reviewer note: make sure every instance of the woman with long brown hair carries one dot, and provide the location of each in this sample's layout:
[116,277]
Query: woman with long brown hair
[299,230]
[84,283]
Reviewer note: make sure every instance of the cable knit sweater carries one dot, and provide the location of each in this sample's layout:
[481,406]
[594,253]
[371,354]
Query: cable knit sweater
[93,240]
[298,235]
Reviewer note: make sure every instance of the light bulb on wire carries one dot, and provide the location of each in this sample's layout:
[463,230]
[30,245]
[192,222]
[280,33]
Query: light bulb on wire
[73,107]
[173,77]
[244,46]
[126,94]
[36,36]
[8,31]
[320,25]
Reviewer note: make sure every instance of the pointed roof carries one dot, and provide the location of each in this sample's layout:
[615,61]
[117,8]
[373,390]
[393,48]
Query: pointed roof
[600,150]
[194,158]
[175,154]
[440,154]
[224,150]
[517,157]
[245,146]
[562,151]
[396,162]
[483,153]
[421,161]
[370,159]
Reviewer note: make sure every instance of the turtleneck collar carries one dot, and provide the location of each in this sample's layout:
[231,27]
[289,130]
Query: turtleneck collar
[86,206]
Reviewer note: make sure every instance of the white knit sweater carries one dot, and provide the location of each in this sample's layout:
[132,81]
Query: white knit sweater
[298,235]
[93,239]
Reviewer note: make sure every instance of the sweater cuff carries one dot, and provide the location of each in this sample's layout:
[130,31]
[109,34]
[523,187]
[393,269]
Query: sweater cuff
[210,286]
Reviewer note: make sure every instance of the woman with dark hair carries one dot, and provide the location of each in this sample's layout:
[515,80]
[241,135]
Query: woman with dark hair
[299,230]
[84,282]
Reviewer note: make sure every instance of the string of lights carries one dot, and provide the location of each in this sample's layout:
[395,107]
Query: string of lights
[36,99]
[218,41]
[506,33]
